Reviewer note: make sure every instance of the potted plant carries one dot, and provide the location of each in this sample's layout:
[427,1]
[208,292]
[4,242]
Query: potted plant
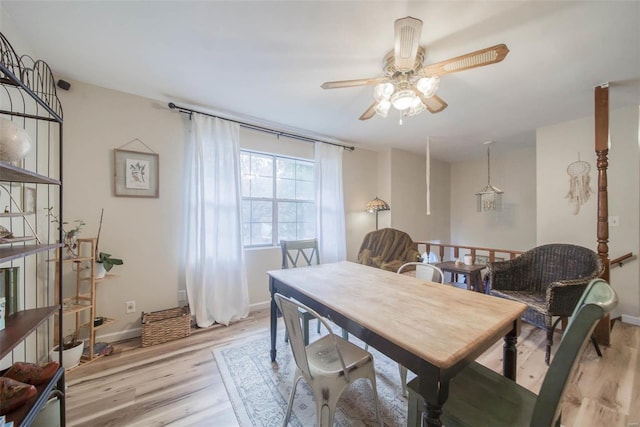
[69,236]
[72,348]
[104,261]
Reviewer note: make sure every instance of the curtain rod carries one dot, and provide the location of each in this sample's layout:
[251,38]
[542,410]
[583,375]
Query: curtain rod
[259,128]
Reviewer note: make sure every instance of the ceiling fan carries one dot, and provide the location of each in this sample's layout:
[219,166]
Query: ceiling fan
[408,85]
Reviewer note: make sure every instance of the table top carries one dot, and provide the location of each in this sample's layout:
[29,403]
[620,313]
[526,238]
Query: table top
[451,266]
[440,324]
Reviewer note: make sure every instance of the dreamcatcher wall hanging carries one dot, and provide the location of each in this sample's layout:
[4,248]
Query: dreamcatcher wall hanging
[579,188]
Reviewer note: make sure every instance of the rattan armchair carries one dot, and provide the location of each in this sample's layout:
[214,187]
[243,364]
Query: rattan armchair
[550,279]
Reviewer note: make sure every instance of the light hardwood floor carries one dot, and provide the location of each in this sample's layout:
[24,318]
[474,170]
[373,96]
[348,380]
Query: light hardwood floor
[178,383]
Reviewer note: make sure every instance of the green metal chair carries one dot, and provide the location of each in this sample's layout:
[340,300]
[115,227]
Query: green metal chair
[479,396]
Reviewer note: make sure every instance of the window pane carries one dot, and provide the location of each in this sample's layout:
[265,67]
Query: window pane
[306,212]
[246,211]
[287,212]
[305,190]
[287,231]
[261,211]
[286,188]
[261,165]
[262,187]
[286,168]
[306,230]
[261,234]
[304,171]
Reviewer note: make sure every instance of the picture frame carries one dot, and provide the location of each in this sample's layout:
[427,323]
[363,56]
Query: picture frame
[136,174]
[29,197]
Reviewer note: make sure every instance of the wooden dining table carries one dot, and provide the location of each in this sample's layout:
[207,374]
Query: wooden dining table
[434,330]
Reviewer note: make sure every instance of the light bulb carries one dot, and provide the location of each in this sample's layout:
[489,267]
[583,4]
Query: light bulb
[383,91]
[403,99]
[428,85]
[382,109]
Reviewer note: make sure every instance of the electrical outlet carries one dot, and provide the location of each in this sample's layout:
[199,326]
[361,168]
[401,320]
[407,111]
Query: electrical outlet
[130,307]
[182,295]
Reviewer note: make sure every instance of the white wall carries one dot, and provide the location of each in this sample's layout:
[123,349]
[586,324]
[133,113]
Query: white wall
[557,147]
[408,199]
[145,233]
[514,172]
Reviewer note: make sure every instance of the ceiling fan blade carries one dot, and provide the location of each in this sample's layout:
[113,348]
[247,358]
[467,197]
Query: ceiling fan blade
[479,58]
[407,34]
[350,83]
[434,103]
[371,111]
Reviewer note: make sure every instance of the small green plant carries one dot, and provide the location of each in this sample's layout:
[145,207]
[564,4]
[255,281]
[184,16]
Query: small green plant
[69,235]
[108,262]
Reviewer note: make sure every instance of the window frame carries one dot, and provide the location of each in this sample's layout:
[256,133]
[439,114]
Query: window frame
[275,238]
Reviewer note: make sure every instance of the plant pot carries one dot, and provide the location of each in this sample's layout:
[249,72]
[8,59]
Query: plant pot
[70,357]
[99,270]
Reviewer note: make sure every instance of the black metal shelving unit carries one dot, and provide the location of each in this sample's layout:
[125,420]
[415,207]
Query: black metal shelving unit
[28,98]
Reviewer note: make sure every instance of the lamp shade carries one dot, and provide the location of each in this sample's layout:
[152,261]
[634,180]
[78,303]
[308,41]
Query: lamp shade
[377,205]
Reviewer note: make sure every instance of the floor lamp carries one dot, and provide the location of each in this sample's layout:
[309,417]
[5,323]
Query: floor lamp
[377,205]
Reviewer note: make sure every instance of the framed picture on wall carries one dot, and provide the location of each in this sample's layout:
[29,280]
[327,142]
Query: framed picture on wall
[136,174]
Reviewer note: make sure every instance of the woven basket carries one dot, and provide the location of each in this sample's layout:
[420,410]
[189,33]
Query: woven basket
[165,325]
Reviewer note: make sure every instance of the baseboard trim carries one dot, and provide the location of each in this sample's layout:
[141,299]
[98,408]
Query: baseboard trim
[259,306]
[136,332]
[632,320]
[120,335]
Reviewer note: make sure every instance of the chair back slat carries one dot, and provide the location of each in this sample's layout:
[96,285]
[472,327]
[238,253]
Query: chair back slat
[294,252]
[290,313]
[424,271]
[596,301]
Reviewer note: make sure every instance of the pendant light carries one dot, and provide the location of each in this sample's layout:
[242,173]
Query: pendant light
[489,198]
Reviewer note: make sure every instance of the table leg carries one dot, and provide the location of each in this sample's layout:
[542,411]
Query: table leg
[510,354]
[274,320]
[431,415]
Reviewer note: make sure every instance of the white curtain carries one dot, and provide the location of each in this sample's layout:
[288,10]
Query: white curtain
[330,203]
[213,257]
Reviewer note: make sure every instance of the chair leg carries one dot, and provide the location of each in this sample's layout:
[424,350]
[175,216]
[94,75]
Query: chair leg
[403,380]
[345,335]
[596,346]
[415,406]
[291,397]
[318,327]
[547,356]
[372,380]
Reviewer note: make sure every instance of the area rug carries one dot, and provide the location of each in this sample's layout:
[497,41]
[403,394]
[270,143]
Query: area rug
[259,390]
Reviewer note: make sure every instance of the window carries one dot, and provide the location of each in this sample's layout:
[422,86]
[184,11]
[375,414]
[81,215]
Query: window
[277,199]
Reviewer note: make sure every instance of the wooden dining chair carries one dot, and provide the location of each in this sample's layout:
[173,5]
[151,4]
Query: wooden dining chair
[299,253]
[329,364]
[478,396]
[427,272]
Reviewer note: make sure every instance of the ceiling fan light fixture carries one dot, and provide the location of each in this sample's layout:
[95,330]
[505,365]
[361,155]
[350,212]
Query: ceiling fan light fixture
[428,85]
[403,99]
[382,109]
[383,91]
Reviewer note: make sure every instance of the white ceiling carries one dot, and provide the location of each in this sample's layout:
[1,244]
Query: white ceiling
[265,61]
